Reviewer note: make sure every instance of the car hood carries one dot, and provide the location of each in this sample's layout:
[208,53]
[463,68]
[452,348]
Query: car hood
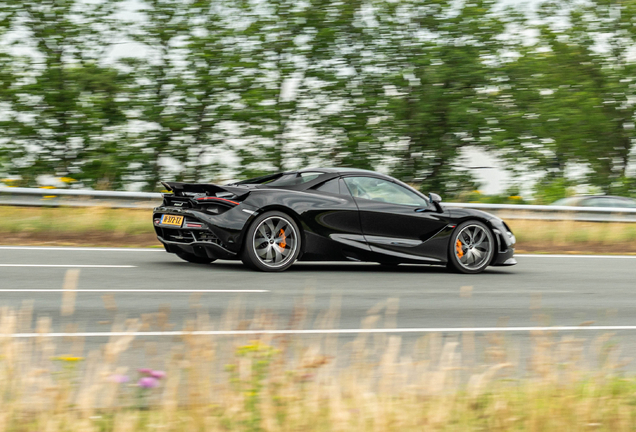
[465,213]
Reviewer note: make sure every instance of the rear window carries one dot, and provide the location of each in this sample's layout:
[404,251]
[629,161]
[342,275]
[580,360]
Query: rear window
[293,179]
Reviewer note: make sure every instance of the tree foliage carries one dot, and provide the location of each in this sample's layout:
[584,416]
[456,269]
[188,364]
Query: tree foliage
[221,88]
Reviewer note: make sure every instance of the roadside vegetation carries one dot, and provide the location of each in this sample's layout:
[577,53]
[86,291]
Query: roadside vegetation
[294,383]
[403,86]
[98,226]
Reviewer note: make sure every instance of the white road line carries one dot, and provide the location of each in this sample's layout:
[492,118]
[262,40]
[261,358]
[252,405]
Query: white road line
[69,265]
[453,292]
[325,331]
[511,291]
[137,290]
[83,249]
[574,256]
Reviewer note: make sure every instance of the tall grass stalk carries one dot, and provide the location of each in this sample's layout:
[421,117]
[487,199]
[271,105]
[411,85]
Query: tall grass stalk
[371,383]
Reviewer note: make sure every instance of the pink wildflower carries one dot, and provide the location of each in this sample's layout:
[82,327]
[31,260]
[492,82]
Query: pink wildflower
[157,374]
[148,382]
[119,378]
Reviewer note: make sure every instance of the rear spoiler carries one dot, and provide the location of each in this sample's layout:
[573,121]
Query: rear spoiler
[208,189]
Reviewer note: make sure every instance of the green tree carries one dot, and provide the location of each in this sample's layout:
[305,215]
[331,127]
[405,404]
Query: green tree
[209,98]
[155,91]
[568,99]
[61,102]
[270,85]
[440,63]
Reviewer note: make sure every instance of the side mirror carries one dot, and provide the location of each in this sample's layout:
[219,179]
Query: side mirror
[436,200]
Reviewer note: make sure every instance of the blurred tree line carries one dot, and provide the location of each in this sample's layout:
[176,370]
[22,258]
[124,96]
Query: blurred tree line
[237,88]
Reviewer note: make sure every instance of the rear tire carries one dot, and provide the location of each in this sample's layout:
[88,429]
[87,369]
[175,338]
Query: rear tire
[472,247]
[272,242]
[194,258]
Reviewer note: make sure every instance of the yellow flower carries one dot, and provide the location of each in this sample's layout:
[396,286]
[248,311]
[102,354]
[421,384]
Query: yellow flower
[69,359]
[515,197]
[67,179]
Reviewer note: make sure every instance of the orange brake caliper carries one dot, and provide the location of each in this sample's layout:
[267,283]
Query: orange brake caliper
[283,243]
[458,247]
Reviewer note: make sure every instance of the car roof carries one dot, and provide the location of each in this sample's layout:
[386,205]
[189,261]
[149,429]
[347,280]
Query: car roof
[325,175]
[338,170]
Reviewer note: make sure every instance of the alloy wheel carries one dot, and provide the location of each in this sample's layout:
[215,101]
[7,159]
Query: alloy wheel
[473,247]
[275,241]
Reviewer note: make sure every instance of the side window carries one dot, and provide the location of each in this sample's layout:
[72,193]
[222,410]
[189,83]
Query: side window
[330,187]
[384,191]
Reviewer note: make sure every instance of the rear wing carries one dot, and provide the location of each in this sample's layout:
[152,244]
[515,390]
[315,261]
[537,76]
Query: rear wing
[194,189]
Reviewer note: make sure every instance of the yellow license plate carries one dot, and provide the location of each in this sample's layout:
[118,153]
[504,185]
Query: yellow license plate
[171,220]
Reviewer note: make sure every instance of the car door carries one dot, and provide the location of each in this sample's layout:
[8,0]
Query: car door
[333,216]
[395,220]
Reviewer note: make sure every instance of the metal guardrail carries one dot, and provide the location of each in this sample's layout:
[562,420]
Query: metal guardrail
[77,198]
[549,212]
[145,200]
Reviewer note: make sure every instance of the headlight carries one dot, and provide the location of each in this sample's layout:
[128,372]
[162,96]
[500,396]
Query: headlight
[512,237]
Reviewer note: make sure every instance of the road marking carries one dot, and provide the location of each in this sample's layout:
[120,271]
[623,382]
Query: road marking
[139,290]
[574,256]
[68,265]
[477,291]
[260,291]
[325,331]
[59,248]
[521,292]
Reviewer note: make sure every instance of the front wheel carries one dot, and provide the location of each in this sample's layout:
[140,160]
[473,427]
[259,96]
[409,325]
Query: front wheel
[472,247]
[272,242]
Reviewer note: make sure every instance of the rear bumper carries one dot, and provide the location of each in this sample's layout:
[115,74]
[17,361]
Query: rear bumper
[215,236]
[201,249]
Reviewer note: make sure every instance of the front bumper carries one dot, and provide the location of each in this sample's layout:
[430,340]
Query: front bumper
[505,246]
[505,258]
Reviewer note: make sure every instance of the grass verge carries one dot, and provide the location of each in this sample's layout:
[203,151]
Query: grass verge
[97,226]
[374,383]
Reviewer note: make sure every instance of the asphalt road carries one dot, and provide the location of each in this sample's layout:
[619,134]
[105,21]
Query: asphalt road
[117,284]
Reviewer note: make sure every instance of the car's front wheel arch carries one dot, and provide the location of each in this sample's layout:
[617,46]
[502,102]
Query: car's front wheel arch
[473,247]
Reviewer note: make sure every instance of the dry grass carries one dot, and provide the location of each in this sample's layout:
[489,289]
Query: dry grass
[132,227]
[571,236]
[73,220]
[374,383]
[567,232]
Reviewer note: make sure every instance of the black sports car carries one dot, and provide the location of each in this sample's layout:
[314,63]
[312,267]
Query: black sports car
[326,214]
